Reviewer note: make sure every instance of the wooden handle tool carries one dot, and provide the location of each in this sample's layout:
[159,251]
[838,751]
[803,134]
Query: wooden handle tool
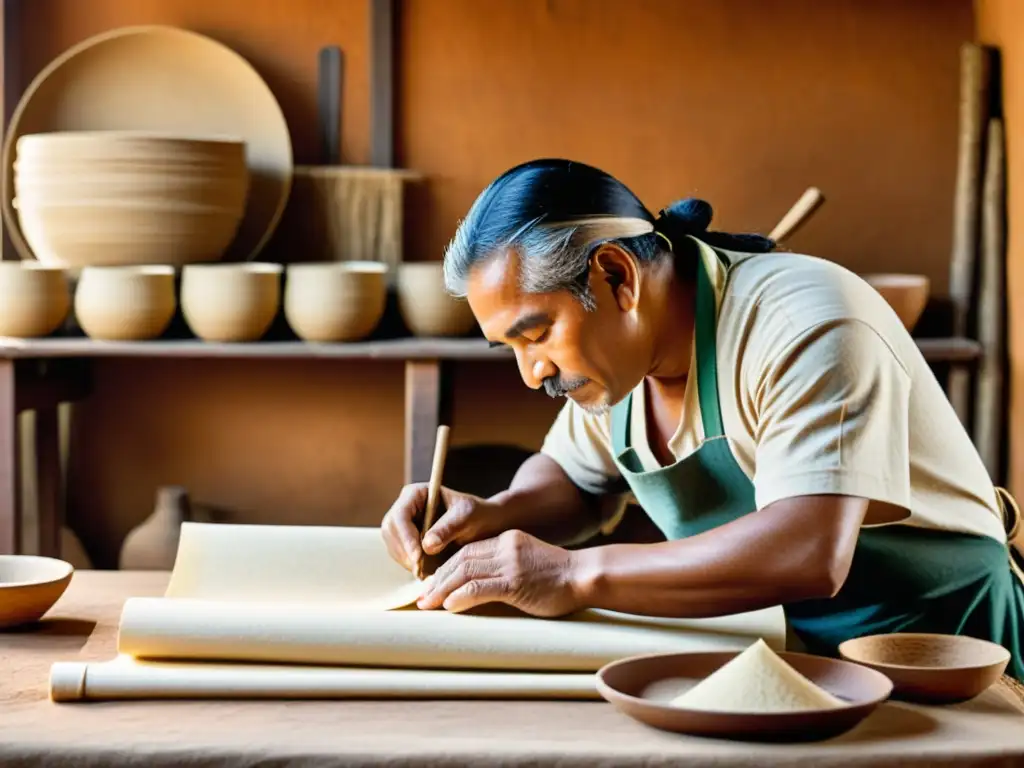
[798,215]
[434,488]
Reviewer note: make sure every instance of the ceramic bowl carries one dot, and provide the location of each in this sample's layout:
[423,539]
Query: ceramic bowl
[641,688]
[125,303]
[931,668]
[426,307]
[906,294]
[336,301]
[34,299]
[29,586]
[230,302]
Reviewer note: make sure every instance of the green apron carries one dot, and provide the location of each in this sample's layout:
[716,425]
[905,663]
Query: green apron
[902,579]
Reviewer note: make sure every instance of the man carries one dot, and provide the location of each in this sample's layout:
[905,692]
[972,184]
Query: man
[767,410]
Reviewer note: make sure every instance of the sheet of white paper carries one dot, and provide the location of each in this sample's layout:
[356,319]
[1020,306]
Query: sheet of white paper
[346,567]
[128,678]
[161,628]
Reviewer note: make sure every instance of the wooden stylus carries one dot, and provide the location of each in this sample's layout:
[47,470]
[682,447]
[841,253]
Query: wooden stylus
[798,215]
[434,488]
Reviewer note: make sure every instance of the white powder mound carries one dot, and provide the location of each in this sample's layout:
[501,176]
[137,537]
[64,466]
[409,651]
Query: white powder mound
[756,681]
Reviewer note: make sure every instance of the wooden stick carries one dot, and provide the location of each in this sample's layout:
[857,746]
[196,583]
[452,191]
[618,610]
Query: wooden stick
[434,488]
[801,211]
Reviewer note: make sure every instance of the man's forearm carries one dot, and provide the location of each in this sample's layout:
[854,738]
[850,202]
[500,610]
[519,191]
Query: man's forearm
[543,501]
[794,550]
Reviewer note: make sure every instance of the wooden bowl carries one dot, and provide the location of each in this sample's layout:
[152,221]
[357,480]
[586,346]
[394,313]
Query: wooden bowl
[931,668]
[125,303]
[426,307]
[337,301]
[641,686]
[906,294]
[34,299]
[29,586]
[230,302]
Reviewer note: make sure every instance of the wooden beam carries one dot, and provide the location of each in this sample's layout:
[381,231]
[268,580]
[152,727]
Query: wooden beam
[10,496]
[382,88]
[425,406]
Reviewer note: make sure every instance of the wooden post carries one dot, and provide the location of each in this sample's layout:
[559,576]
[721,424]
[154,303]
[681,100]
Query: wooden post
[382,65]
[10,498]
[422,417]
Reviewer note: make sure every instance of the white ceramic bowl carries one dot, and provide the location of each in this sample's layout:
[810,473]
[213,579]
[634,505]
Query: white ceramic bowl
[230,302]
[29,587]
[34,299]
[125,303]
[335,301]
[427,308]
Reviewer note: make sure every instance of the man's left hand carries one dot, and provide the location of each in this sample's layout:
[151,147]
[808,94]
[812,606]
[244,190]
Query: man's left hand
[514,568]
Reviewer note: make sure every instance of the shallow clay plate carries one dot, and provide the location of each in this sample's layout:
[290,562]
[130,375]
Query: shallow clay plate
[642,686]
[169,81]
[936,669]
[29,586]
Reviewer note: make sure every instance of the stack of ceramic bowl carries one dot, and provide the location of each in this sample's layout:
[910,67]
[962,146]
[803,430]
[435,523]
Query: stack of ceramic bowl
[111,198]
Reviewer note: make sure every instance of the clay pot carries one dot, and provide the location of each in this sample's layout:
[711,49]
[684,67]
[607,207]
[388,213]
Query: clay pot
[34,299]
[29,586]
[427,308]
[906,294]
[230,302]
[341,301]
[125,303]
[153,544]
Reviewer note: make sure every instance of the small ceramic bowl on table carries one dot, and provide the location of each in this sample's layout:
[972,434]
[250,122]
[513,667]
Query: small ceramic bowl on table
[930,668]
[643,687]
[29,587]
[230,302]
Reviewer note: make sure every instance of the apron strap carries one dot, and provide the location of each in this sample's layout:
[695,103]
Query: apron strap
[1009,511]
[705,337]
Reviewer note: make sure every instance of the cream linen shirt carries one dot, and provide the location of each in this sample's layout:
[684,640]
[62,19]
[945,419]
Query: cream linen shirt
[822,391]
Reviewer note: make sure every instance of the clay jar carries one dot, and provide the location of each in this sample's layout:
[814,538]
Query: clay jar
[426,307]
[153,544]
[333,302]
[125,303]
[230,302]
[34,299]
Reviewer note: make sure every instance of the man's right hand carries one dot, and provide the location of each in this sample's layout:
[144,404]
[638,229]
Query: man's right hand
[465,519]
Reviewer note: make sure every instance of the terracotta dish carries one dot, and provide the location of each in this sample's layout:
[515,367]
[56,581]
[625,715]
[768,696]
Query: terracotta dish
[906,294]
[29,586]
[230,302]
[172,82]
[335,302]
[34,299]
[931,668]
[426,307]
[641,687]
[125,303]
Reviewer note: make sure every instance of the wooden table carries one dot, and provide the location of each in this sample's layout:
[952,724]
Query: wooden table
[988,731]
[40,374]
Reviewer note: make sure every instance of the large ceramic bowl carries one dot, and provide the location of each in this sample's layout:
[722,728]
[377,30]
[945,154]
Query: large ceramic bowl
[427,308]
[230,302]
[34,299]
[125,303]
[122,198]
[336,301]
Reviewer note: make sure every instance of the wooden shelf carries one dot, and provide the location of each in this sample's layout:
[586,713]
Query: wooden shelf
[964,351]
[391,349]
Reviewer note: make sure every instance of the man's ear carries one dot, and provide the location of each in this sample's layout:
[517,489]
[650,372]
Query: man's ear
[613,268]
